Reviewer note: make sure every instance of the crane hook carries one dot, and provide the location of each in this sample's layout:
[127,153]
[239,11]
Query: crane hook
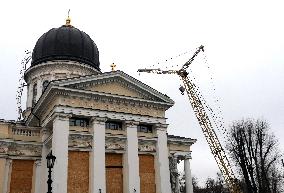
[182,89]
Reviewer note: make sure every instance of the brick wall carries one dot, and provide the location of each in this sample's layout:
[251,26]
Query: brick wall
[114,175]
[21,176]
[147,174]
[78,172]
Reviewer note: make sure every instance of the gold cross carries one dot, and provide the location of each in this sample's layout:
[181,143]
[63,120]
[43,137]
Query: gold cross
[112,67]
[68,20]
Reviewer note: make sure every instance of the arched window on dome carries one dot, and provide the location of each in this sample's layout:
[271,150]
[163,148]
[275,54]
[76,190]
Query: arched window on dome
[44,85]
[34,94]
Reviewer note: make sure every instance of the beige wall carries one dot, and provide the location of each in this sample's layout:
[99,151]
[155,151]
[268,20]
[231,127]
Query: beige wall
[2,173]
[4,130]
[114,88]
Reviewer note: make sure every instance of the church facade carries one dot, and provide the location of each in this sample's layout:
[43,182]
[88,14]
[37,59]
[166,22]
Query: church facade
[108,131]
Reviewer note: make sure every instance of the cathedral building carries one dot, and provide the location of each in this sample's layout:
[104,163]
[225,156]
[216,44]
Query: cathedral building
[107,130]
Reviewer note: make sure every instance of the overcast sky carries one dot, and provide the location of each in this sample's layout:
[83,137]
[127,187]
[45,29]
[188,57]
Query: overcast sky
[243,44]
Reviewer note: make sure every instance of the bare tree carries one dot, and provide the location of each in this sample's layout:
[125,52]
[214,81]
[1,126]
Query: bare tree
[216,185]
[195,184]
[255,153]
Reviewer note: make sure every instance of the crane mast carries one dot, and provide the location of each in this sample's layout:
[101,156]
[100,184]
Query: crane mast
[204,121]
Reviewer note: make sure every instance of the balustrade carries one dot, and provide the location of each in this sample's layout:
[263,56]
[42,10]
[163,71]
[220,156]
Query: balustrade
[25,132]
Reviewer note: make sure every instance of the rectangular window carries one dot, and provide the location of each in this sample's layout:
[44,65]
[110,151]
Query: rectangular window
[78,121]
[113,125]
[81,122]
[72,122]
[145,128]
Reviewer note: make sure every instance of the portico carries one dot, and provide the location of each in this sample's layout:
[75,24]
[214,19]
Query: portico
[128,146]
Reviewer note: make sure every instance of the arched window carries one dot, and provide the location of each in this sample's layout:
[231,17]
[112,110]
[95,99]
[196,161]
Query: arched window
[44,85]
[34,94]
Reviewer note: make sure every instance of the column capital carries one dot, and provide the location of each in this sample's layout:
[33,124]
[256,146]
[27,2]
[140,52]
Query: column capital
[61,116]
[182,155]
[131,123]
[98,120]
[38,163]
[188,156]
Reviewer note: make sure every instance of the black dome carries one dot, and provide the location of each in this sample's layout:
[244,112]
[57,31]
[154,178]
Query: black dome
[66,43]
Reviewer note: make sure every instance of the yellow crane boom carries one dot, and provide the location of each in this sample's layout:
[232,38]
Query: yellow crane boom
[204,121]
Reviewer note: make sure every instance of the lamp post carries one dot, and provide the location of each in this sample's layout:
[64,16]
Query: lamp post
[50,163]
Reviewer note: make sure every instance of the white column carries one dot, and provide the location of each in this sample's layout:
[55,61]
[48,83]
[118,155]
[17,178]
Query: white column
[98,168]
[163,184]
[37,176]
[60,150]
[44,174]
[131,160]
[188,177]
[7,171]
[176,160]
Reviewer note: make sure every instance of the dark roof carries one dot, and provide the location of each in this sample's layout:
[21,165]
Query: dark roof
[66,43]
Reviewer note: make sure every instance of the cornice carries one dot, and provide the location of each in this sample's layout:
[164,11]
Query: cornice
[107,97]
[12,148]
[11,141]
[161,127]
[180,140]
[86,112]
[57,64]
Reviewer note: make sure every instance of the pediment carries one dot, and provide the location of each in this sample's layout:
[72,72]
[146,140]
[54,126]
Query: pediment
[118,84]
[120,88]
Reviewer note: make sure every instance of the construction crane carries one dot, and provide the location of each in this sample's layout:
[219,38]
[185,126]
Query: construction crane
[204,121]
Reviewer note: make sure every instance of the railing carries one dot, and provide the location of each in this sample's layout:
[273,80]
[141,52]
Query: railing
[26,132]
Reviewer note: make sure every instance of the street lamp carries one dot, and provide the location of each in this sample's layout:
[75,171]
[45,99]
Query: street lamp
[50,163]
